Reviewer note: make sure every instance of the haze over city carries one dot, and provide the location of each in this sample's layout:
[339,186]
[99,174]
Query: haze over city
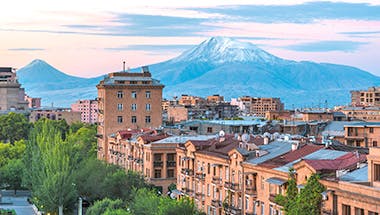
[90,38]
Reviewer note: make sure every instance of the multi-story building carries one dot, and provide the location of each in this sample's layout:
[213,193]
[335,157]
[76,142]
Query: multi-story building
[177,114]
[259,106]
[215,98]
[366,98]
[127,101]
[33,102]
[12,96]
[362,134]
[237,176]
[369,114]
[55,113]
[150,153]
[189,100]
[88,110]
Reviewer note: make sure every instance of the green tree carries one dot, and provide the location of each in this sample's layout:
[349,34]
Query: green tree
[145,202]
[9,151]
[11,174]
[109,205]
[13,127]
[117,212]
[184,206]
[50,162]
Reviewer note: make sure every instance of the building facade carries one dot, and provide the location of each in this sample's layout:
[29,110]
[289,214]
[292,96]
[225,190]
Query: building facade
[366,98]
[55,114]
[369,114]
[259,106]
[33,102]
[12,96]
[362,134]
[88,110]
[127,101]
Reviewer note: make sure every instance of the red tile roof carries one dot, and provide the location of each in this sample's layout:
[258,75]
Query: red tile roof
[346,161]
[291,156]
[148,138]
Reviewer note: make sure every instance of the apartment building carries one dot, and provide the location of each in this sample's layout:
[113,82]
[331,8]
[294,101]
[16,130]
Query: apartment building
[150,153]
[88,109]
[33,102]
[215,98]
[362,134]
[12,96]
[177,114]
[366,98]
[369,114]
[127,101]
[189,100]
[55,113]
[259,106]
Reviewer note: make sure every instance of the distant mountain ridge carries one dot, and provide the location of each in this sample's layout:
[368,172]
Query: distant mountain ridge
[223,66]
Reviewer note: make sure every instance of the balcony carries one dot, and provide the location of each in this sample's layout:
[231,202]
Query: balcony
[227,185]
[235,187]
[170,163]
[187,171]
[130,157]
[199,195]
[216,180]
[216,203]
[200,176]
[229,209]
[158,163]
[251,191]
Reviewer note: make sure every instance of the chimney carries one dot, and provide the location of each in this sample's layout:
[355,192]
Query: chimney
[266,140]
[295,146]
[123,66]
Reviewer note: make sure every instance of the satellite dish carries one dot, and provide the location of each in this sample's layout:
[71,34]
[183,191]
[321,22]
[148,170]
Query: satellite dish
[245,138]
[221,133]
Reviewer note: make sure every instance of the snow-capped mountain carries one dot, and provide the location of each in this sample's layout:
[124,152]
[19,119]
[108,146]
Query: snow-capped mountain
[223,66]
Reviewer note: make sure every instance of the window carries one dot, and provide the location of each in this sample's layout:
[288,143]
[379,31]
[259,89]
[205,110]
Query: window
[359,211]
[208,189]
[208,168]
[134,94]
[134,119]
[120,94]
[147,119]
[346,209]
[147,107]
[134,107]
[170,173]
[262,208]
[119,119]
[372,213]
[209,129]
[376,171]
[246,203]
[170,157]
[119,106]
[227,173]
[157,173]
[147,94]
[374,143]
[133,82]
[370,130]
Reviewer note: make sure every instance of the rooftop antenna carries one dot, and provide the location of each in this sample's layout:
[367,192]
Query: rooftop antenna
[123,66]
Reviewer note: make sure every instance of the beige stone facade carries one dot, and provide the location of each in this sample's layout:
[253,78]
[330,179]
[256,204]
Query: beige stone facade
[365,98]
[260,106]
[11,93]
[362,134]
[127,101]
[88,110]
[55,114]
[369,114]
[177,114]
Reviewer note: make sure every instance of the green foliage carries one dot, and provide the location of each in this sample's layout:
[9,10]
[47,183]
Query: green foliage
[11,151]
[7,212]
[172,187]
[145,202]
[60,126]
[117,212]
[173,207]
[106,206]
[85,141]
[50,162]
[11,174]
[13,127]
[307,202]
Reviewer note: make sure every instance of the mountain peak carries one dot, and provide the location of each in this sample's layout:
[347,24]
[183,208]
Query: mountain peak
[225,49]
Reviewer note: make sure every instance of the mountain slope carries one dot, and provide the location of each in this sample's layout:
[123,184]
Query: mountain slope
[218,65]
[42,80]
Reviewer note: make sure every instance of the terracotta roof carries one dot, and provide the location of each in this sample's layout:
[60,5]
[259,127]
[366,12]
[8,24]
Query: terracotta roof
[128,133]
[148,138]
[220,148]
[291,156]
[348,160]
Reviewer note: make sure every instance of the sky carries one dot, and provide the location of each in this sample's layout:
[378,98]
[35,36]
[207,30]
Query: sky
[88,38]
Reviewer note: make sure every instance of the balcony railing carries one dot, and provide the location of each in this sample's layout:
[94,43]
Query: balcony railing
[229,209]
[200,176]
[199,195]
[187,171]
[158,163]
[170,163]
[216,203]
[216,180]
[251,191]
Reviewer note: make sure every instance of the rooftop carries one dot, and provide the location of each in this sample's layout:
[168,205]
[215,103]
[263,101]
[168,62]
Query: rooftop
[336,128]
[272,150]
[346,161]
[358,175]
[184,139]
[364,124]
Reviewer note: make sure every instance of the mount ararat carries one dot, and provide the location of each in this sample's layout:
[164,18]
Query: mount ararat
[218,65]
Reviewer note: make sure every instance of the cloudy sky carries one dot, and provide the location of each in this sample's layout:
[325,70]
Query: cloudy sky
[91,37]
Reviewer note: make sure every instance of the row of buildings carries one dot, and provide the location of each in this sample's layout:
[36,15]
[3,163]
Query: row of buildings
[237,166]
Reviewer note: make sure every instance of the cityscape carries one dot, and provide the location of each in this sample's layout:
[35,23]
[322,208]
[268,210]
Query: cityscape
[214,125]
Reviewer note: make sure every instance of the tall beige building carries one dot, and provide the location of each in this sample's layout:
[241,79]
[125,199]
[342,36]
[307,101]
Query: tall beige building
[127,101]
[370,97]
[11,93]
